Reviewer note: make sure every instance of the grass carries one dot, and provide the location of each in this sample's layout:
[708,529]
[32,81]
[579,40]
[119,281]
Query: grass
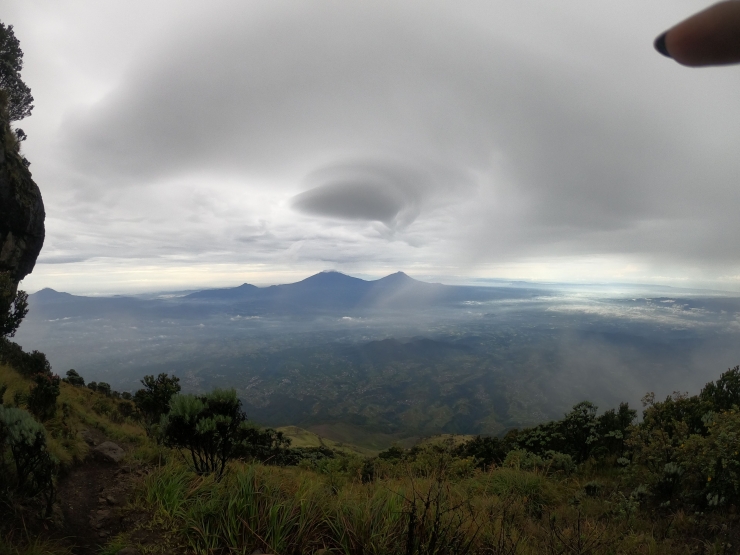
[77,408]
[299,511]
[304,438]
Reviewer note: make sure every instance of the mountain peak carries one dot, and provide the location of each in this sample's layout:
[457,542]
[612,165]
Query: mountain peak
[49,294]
[330,278]
[397,278]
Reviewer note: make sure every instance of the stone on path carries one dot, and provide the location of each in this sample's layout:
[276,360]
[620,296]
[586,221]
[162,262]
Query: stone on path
[109,451]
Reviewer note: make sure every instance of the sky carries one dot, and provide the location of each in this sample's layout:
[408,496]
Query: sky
[181,145]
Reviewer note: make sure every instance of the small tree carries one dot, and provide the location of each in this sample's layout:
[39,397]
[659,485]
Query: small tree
[73,378]
[42,400]
[210,427]
[153,400]
[13,305]
[724,393]
[11,63]
[104,388]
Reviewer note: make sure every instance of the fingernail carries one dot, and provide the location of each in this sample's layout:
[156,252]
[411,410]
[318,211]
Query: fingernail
[660,46]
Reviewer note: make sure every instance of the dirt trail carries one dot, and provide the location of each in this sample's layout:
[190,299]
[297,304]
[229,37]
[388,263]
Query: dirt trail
[91,496]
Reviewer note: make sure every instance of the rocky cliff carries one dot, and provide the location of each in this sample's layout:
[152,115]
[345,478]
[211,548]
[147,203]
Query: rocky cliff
[21,208]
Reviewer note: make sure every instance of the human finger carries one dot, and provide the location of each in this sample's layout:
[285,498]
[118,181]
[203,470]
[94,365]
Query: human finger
[710,37]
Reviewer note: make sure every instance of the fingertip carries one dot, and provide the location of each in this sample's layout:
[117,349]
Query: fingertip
[660,46]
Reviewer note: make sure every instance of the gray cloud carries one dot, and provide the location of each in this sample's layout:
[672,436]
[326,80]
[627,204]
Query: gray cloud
[485,133]
[370,191]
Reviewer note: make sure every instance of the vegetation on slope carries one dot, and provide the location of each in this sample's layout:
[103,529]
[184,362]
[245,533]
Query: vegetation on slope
[212,482]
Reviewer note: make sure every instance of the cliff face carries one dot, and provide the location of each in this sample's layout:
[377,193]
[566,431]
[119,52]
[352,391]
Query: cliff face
[21,208]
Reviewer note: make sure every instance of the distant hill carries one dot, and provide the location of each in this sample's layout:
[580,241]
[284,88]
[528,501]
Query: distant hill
[245,290]
[335,290]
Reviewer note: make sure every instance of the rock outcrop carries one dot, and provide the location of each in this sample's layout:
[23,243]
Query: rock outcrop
[109,452]
[21,208]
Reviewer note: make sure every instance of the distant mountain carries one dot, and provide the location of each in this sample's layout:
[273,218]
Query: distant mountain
[244,291]
[49,295]
[335,290]
[326,292]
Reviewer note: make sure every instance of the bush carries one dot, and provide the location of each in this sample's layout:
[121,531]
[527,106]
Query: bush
[724,393]
[126,409]
[550,462]
[73,378]
[711,464]
[13,306]
[210,427]
[104,388]
[34,468]
[267,446]
[27,364]
[486,451]
[153,401]
[42,399]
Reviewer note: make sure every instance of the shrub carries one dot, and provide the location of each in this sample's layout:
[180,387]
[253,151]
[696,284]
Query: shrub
[104,388]
[724,393]
[34,468]
[73,378]
[210,427]
[27,364]
[153,401]
[13,306]
[486,451]
[42,399]
[126,409]
[551,461]
[267,446]
[711,464]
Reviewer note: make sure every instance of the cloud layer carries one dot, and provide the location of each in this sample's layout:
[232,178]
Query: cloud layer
[364,136]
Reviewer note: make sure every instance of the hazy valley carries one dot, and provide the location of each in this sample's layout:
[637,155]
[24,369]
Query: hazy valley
[397,359]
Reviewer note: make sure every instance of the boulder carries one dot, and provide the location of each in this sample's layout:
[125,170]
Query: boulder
[21,208]
[109,451]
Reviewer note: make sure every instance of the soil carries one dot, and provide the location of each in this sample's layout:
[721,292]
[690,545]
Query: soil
[91,497]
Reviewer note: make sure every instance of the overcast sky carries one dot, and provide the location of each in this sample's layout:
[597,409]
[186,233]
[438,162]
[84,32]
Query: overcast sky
[187,144]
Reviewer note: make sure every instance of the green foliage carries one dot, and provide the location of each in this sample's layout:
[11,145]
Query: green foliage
[11,64]
[710,464]
[724,393]
[13,304]
[665,485]
[153,401]
[486,451]
[211,428]
[581,434]
[33,470]
[27,364]
[42,399]
[550,462]
[612,429]
[268,446]
[73,378]
[104,388]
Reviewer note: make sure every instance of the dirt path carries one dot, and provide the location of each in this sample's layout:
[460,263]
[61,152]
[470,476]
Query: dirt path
[91,496]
